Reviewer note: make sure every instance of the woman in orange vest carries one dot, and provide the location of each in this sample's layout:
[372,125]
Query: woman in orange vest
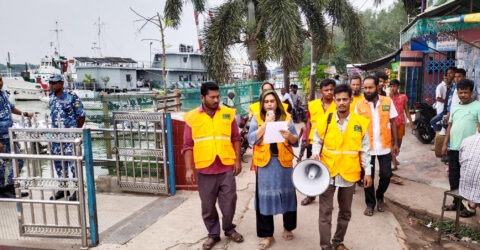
[275,193]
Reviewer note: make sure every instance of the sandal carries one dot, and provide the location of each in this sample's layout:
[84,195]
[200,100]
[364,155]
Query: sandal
[307,200]
[287,235]
[396,180]
[210,242]
[368,211]
[266,243]
[467,206]
[339,246]
[381,206]
[235,236]
[464,213]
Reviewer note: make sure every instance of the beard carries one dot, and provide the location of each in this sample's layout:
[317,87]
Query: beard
[356,92]
[370,97]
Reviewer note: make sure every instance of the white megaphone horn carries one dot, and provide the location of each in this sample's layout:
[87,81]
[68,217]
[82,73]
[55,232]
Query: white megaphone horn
[311,177]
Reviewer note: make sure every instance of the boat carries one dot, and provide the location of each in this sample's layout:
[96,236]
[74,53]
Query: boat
[22,90]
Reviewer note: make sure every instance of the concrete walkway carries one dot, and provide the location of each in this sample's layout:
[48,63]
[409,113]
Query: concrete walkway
[138,221]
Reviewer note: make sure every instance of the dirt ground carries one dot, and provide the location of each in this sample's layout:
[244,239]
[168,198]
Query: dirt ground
[421,237]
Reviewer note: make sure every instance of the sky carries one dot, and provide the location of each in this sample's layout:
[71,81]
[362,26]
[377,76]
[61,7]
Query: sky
[27,28]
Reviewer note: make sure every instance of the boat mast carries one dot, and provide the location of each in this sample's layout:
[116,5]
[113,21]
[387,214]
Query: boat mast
[57,32]
[96,45]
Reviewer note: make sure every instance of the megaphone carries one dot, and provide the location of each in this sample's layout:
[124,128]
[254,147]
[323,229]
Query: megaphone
[311,177]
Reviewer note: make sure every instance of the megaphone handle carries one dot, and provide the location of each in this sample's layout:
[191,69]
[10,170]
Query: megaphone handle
[329,119]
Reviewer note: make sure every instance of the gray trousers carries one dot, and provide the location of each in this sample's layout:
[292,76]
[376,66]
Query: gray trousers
[344,197]
[222,187]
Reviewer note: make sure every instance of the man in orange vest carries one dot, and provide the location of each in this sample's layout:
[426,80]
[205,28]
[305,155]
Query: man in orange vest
[346,143]
[212,147]
[382,131]
[316,109]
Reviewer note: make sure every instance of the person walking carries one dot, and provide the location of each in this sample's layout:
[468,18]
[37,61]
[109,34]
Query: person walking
[275,193]
[401,105]
[66,111]
[7,108]
[316,109]
[212,147]
[463,122]
[382,131]
[345,144]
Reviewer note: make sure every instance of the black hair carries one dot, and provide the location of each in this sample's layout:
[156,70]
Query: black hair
[375,79]
[381,74]
[461,71]
[465,84]
[326,82]
[206,86]
[395,82]
[355,77]
[294,86]
[452,68]
[336,77]
[342,88]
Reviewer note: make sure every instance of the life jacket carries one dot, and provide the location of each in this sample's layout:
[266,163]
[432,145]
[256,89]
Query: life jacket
[261,155]
[212,136]
[363,109]
[341,152]
[315,108]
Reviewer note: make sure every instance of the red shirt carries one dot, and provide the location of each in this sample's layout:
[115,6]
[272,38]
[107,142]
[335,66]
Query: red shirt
[399,101]
[217,167]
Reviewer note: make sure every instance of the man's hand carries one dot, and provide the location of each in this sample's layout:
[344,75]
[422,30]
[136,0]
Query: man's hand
[367,181]
[395,149]
[190,177]
[315,157]
[237,168]
[444,150]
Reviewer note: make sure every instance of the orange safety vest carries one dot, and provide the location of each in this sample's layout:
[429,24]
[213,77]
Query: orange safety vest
[212,136]
[261,155]
[363,109]
[316,112]
[341,152]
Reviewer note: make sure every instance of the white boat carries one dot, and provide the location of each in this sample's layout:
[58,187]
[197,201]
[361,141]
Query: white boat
[23,90]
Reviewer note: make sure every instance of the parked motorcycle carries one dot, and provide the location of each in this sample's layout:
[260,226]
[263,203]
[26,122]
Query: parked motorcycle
[423,114]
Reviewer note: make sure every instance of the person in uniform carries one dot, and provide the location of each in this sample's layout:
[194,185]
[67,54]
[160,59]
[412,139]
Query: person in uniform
[6,110]
[66,111]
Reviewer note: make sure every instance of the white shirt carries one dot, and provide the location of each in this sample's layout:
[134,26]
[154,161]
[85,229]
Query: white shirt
[440,91]
[378,149]
[296,99]
[364,153]
[287,97]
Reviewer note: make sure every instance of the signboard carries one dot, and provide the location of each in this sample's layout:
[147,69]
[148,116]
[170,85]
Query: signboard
[446,41]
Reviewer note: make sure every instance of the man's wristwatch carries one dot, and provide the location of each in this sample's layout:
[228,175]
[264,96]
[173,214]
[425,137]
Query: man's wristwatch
[25,113]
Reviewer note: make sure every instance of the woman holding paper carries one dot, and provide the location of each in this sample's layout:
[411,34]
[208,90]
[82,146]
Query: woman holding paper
[275,193]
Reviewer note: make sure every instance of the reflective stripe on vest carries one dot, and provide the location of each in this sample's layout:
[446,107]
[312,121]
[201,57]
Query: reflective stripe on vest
[212,136]
[341,151]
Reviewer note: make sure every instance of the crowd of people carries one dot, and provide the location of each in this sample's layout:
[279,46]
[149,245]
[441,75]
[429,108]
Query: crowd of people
[347,130]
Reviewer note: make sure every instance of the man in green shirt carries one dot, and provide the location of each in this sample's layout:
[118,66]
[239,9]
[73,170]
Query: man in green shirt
[464,119]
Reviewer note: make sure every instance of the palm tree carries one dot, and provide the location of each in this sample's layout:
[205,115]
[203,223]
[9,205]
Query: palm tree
[271,30]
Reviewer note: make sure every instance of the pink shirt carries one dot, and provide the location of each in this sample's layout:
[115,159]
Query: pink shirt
[217,167]
[399,102]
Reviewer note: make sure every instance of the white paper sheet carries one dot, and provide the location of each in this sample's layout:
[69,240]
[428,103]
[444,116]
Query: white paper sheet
[272,132]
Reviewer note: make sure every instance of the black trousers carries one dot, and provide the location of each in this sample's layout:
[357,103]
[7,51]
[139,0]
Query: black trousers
[265,225]
[385,166]
[454,171]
